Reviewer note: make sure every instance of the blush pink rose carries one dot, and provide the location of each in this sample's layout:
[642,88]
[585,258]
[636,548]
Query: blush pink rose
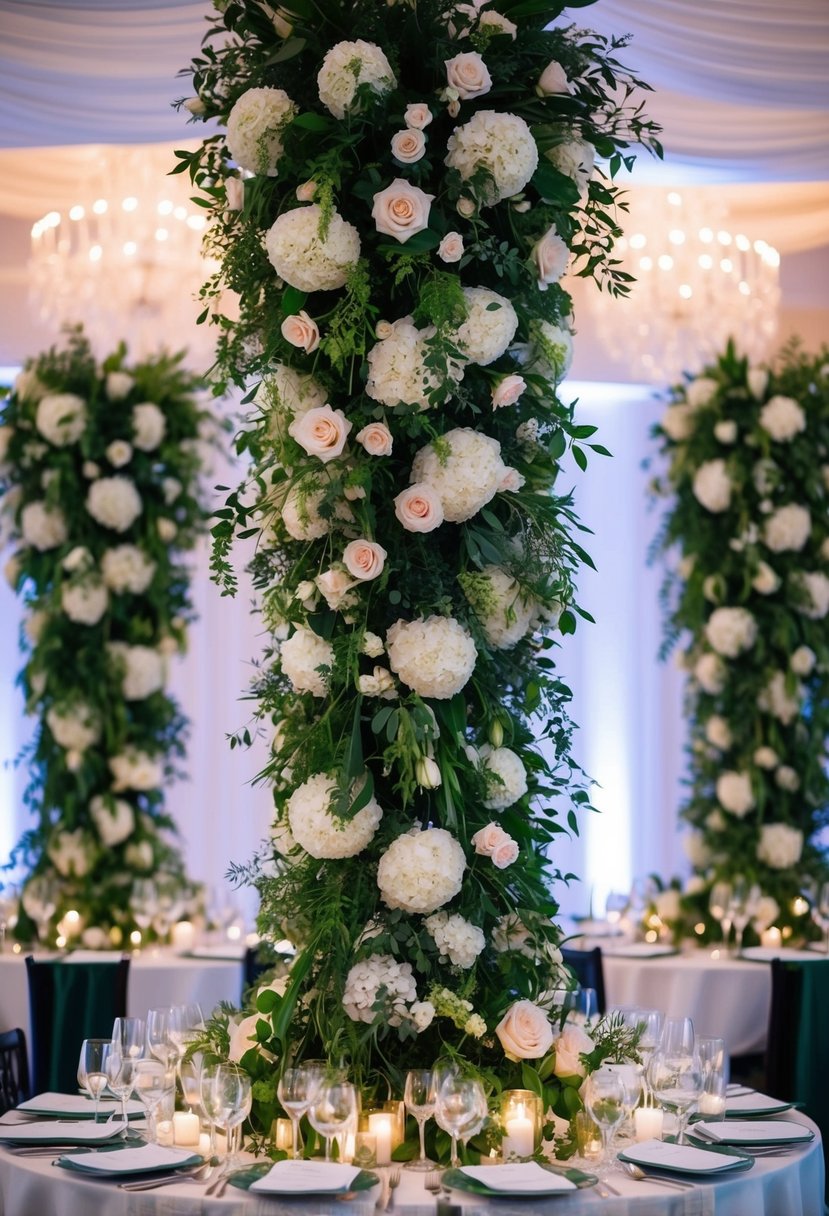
[321,431]
[551,256]
[525,1032]
[305,193]
[364,559]
[511,481]
[505,854]
[401,210]
[468,75]
[553,80]
[408,146]
[570,1044]
[376,438]
[418,115]
[334,586]
[451,247]
[419,508]
[235,193]
[507,391]
[301,330]
[488,838]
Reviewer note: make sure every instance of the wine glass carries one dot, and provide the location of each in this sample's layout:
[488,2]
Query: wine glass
[616,905]
[185,1024]
[630,1075]
[460,1109]
[41,902]
[605,1099]
[741,908]
[296,1090]
[231,1102]
[143,901]
[92,1068]
[208,1098]
[129,1034]
[168,906]
[650,1021]
[675,1073]
[580,1005]
[159,1041]
[420,1097]
[120,1068]
[332,1108]
[719,904]
[9,905]
[150,1084]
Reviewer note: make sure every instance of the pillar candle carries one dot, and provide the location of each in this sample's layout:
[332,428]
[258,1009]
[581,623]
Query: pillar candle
[183,935]
[647,1121]
[380,1125]
[519,1137]
[186,1128]
[771,937]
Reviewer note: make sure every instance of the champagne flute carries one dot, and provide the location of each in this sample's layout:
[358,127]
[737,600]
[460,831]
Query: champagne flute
[605,1099]
[333,1107]
[460,1109]
[719,902]
[741,905]
[92,1068]
[150,1085]
[296,1090]
[420,1098]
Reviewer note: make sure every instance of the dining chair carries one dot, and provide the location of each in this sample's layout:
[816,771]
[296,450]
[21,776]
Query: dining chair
[14,1069]
[587,967]
[70,1002]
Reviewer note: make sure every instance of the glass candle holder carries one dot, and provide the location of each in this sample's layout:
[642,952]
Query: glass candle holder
[521,1121]
[397,1110]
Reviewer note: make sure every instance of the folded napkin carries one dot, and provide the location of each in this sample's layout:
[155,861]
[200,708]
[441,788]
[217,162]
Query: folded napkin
[142,1160]
[660,1155]
[752,1131]
[77,1106]
[524,1179]
[60,1131]
[306,1177]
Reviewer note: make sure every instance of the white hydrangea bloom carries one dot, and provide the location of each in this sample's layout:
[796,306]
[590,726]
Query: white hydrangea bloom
[421,871]
[114,818]
[119,385]
[699,392]
[678,421]
[148,426]
[813,587]
[114,502]
[780,846]
[730,631]
[135,770]
[71,853]
[318,831]
[734,793]
[506,777]
[289,391]
[777,701]
[455,938]
[766,757]
[254,129]
[348,65]
[74,727]
[787,529]
[144,669]
[696,850]
[575,159]
[803,660]
[84,603]
[61,418]
[718,732]
[434,656]
[469,476]
[127,568]
[712,486]
[488,330]
[502,144]
[301,655]
[43,527]
[782,418]
[300,514]
[302,258]
[508,615]
[787,778]
[397,371]
[363,984]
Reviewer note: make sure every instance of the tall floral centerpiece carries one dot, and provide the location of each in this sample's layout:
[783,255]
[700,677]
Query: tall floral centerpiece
[99,470]
[398,192]
[747,484]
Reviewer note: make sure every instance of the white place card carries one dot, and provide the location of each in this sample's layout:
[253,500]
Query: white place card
[526,1178]
[308,1177]
[663,1156]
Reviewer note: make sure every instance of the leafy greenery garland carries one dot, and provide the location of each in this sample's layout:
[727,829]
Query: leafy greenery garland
[742,443]
[69,425]
[423,759]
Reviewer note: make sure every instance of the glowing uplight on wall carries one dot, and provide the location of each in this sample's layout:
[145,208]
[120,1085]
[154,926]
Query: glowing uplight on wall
[698,282]
[126,259]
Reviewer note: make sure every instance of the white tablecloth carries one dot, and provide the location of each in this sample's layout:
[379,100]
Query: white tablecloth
[726,997]
[775,1186]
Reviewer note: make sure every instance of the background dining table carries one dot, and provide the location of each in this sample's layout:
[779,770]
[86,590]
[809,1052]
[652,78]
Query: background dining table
[775,1186]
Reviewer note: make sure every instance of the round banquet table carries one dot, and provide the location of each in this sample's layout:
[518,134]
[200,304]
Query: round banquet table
[774,1186]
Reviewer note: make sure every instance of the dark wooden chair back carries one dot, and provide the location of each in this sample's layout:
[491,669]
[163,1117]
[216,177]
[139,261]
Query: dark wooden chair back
[587,967]
[14,1069]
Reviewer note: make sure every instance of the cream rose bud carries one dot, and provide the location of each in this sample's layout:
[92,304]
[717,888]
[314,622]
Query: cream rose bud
[466,207]
[468,75]
[401,210]
[167,530]
[507,391]
[408,146]
[419,508]
[551,256]
[384,330]
[451,247]
[453,109]
[525,1032]
[194,106]
[553,80]
[334,586]
[364,559]
[305,193]
[376,438]
[427,773]
[301,330]
[418,115]
[321,431]
[234,193]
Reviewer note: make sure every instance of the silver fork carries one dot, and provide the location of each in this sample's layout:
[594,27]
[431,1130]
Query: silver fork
[392,1183]
[198,1173]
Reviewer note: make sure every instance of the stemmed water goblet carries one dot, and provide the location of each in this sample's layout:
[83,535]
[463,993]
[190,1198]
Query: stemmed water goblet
[230,1103]
[332,1109]
[675,1073]
[92,1068]
[742,906]
[420,1098]
[719,905]
[296,1090]
[128,1038]
[650,1021]
[460,1109]
[41,902]
[143,901]
[150,1085]
[159,1040]
[606,1099]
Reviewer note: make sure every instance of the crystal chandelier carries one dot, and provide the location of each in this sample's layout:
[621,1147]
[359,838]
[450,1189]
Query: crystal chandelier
[697,284]
[125,259]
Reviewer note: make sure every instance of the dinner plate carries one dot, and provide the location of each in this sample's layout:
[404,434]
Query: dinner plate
[256,1177]
[461,1181]
[60,1131]
[697,1157]
[114,1162]
[754,1132]
[77,1106]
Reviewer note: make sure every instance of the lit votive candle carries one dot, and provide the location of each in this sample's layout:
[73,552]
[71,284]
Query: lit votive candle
[771,937]
[183,935]
[519,1137]
[647,1123]
[284,1135]
[380,1125]
[711,1104]
[186,1128]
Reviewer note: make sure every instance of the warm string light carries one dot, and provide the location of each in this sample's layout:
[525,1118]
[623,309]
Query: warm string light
[697,284]
[126,261]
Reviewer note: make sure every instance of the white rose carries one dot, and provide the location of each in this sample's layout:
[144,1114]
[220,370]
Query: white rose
[734,793]
[553,80]
[525,1032]
[551,256]
[780,846]
[765,581]
[678,421]
[417,115]
[322,432]
[712,486]
[118,453]
[803,660]
[786,778]
[718,732]
[148,426]
[766,757]
[119,385]
[451,248]
[408,146]
[507,391]
[726,430]
[757,379]
[61,418]
[401,210]
[468,75]
[243,1037]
